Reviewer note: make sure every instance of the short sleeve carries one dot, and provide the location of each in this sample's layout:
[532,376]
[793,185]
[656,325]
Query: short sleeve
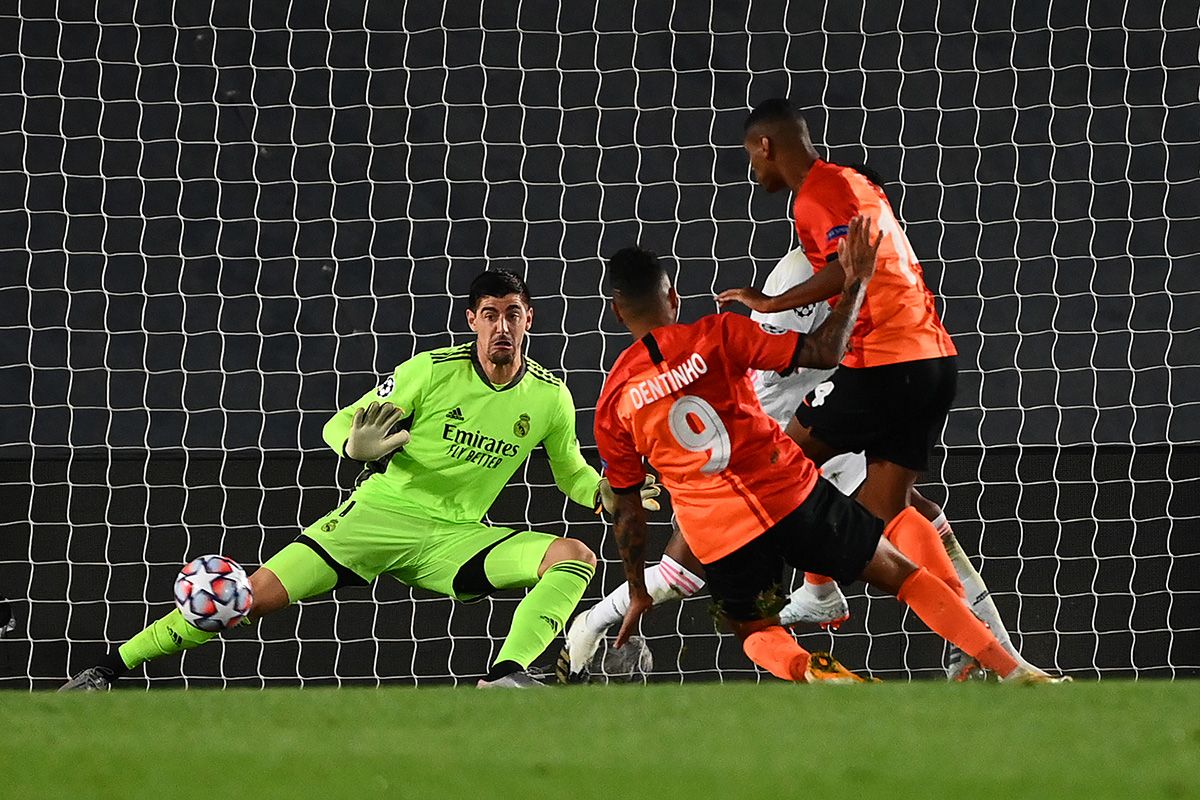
[823,217]
[622,463]
[757,345]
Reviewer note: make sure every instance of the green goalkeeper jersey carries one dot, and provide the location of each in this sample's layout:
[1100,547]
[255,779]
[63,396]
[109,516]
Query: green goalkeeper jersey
[468,436]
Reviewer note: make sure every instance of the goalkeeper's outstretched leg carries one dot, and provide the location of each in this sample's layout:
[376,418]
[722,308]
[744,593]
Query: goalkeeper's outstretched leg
[307,574]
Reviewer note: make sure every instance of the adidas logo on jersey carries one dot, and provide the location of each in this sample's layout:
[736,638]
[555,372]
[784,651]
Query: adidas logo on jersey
[455,414]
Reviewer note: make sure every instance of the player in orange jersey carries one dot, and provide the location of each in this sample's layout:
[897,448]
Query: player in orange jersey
[892,392]
[747,498]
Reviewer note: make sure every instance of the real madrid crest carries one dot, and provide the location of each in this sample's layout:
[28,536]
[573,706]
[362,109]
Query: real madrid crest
[521,426]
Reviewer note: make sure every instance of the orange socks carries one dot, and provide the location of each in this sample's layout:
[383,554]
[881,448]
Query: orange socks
[815,579]
[777,652]
[947,615]
[916,538]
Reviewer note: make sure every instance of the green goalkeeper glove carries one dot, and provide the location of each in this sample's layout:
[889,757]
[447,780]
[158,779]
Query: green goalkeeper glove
[608,499]
[369,438]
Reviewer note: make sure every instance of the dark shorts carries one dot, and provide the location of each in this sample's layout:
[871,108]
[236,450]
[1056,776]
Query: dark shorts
[893,413]
[829,534]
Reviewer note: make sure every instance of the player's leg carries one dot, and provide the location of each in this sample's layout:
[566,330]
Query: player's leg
[467,561]
[885,494]
[562,572]
[911,401]
[978,596]
[819,600]
[680,574]
[832,425]
[835,536]
[309,566]
[307,574]
[746,586]
[305,571]
[938,607]
[677,576]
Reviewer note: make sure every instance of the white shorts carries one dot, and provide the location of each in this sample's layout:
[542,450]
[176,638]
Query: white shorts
[846,471]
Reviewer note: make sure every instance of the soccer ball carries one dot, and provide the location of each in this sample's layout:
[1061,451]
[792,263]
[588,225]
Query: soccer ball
[633,662]
[213,593]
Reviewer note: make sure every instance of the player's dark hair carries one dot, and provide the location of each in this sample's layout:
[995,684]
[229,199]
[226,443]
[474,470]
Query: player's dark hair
[496,283]
[635,276]
[772,110]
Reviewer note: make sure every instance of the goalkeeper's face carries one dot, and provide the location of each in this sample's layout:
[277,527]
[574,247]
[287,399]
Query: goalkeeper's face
[500,324]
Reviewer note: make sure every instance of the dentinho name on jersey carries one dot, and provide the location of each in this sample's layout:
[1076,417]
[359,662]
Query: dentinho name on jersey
[661,385]
[475,447]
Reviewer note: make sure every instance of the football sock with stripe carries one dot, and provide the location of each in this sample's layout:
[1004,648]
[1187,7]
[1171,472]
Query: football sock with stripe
[163,637]
[543,613]
[947,615]
[916,538]
[977,593]
[776,651]
[667,580]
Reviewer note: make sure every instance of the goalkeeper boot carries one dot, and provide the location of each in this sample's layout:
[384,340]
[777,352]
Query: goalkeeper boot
[92,679]
[828,609]
[578,651]
[513,680]
[824,668]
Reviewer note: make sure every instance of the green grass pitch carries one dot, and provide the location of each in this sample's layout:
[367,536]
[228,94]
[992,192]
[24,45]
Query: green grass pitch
[923,740]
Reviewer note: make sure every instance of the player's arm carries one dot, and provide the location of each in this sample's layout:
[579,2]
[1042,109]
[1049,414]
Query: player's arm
[573,475]
[821,223]
[629,525]
[824,347]
[820,287]
[766,347]
[369,419]
[623,467]
[575,478]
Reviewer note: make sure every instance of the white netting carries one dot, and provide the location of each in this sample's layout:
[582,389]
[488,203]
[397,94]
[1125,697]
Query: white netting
[232,221]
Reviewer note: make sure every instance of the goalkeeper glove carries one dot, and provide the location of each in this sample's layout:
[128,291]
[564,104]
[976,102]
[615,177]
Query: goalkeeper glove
[608,498]
[369,438]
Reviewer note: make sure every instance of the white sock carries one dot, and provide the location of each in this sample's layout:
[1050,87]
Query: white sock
[979,598]
[666,580]
[820,590]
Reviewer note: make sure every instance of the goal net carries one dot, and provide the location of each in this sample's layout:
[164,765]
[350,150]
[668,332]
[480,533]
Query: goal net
[221,222]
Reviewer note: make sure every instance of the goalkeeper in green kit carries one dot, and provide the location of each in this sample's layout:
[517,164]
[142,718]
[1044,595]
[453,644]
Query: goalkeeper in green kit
[439,439]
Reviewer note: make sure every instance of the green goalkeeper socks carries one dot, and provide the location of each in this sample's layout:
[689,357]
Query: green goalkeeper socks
[544,611]
[163,637]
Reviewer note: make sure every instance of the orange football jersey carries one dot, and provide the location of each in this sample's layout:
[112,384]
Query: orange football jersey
[899,321]
[682,397]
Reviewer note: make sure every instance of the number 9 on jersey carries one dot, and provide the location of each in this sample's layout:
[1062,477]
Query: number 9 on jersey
[696,426]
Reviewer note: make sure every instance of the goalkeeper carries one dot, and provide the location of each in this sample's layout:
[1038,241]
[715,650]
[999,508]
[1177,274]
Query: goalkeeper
[439,439]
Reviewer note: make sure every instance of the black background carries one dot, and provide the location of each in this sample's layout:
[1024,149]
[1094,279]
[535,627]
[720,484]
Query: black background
[217,225]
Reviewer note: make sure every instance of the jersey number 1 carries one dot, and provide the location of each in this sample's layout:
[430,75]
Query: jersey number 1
[712,436]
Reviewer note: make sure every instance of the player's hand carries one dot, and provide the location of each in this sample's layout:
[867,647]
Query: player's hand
[369,433]
[748,296]
[856,253]
[608,499]
[639,603]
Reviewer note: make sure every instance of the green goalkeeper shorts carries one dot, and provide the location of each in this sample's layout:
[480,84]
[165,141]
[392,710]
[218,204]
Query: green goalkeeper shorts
[356,543]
